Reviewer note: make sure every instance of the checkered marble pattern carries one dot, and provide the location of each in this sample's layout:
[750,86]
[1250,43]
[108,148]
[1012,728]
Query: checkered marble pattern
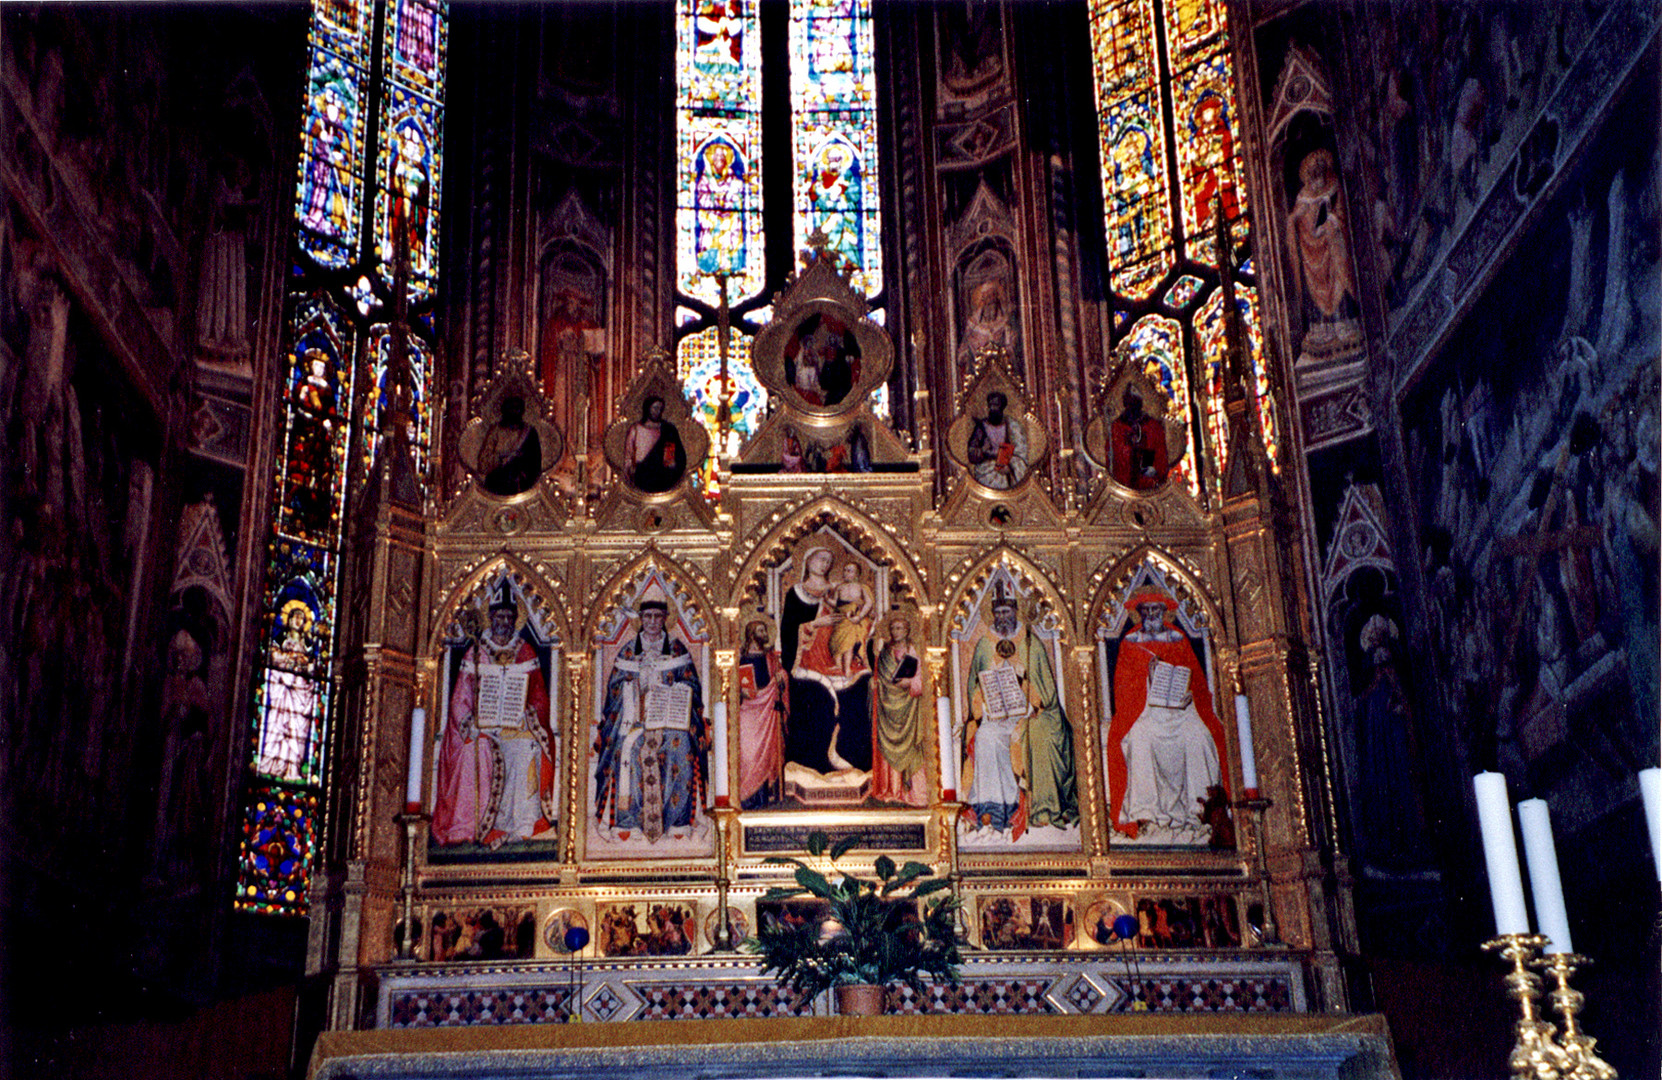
[973,997]
[520,1005]
[670,1001]
[729,987]
[1207,995]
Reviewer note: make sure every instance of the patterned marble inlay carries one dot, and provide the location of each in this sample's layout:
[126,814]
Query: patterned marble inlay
[521,1005]
[1207,995]
[973,997]
[746,1001]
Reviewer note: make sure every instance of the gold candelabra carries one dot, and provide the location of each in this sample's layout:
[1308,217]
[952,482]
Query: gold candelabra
[412,829]
[1257,806]
[1538,1051]
[725,939]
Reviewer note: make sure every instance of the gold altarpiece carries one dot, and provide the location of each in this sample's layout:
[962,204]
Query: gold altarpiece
[564,785]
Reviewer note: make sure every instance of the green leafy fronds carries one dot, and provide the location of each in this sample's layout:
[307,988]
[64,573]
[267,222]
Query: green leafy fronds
[873,931]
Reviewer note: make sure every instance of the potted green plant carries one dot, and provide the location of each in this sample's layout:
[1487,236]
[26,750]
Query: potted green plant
[873,933]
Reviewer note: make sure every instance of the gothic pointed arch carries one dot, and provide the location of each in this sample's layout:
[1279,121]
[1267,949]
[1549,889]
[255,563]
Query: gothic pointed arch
[857,529]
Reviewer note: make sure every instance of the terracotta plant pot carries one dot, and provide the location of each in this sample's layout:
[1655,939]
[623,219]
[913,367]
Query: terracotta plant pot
[864,1000]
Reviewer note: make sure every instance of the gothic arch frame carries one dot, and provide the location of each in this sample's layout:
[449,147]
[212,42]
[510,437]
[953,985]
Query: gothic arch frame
[532,582]
[972,578]
[695,595]
[1187,584]
[860,531]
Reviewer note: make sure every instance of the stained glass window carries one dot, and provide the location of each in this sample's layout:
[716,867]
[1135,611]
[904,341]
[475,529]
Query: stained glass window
[699,366]
[420,359]
[834,117]
[718,72]
[1210,326]
[279,833]
[1164,78]
[720,160]
[328,341]
[1157,344]
[412,114]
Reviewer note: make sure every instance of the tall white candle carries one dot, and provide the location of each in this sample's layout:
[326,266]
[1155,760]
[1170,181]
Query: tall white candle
[1500,852]
[1650,792]
[720,748]
[1542,855]
[1249,763]
[949,755]
[418,744]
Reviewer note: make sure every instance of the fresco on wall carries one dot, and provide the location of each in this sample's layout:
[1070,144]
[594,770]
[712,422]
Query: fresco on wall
[1455,87]
[1532,449]
[1378,718]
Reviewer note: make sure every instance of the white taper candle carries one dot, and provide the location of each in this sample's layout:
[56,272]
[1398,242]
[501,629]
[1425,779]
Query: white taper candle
[1650,792]
[418,744]
[1249,763]
[1550,917]
[1500,852]
[949,755]
[720,749]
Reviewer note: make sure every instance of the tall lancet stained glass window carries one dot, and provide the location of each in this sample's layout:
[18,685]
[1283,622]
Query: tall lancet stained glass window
[832,157]
[834,114]
[367,194]
[718,73]
[1165,94]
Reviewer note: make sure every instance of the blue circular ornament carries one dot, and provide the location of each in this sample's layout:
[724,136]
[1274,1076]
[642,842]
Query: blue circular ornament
[1125,927]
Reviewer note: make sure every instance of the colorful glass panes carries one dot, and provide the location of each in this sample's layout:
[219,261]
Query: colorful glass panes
[291,695]
[1208,154]
[411,158]
[418,39]
[405,219]
[1209,326]
[420,359]
[699,364]
[834,116]
[1132,142]
[331,159]
[1156,345]
[1183,291]
[279,830]
[293,680]
[718,73]
[310,478]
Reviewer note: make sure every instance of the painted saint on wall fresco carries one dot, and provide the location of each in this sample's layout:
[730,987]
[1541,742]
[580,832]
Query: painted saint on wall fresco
[1165,742]
[495,766]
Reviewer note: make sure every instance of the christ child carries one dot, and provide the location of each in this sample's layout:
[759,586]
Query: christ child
[853,601]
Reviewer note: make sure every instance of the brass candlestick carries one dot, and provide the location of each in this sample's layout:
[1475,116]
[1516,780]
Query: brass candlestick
[1535,1056]
[1257,806]
[1578,1047]
[950,812]
[412,828]
[724,942]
